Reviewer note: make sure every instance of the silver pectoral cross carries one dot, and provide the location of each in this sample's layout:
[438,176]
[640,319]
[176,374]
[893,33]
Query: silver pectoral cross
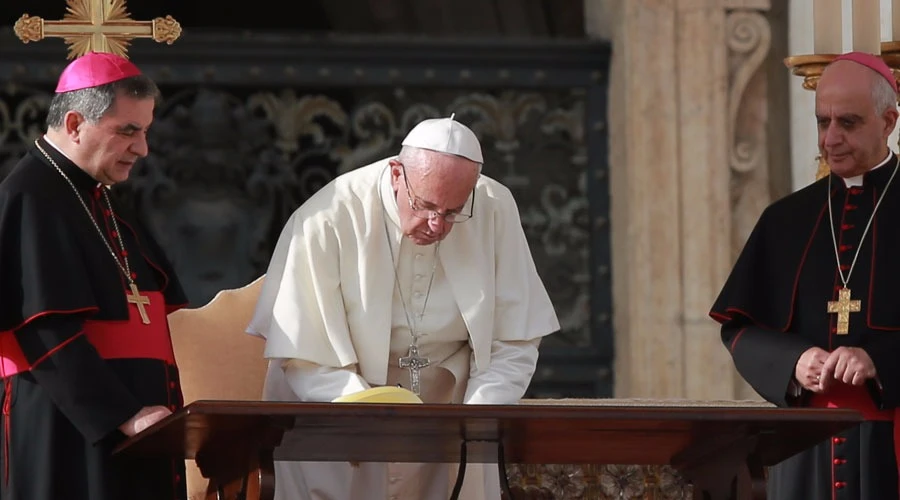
[414,363]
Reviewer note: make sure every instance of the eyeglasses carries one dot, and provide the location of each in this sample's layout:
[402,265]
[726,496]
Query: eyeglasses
[415,204]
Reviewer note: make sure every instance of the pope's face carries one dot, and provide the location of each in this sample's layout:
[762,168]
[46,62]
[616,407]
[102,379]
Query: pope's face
[429,193]
[853,133]
[108,149]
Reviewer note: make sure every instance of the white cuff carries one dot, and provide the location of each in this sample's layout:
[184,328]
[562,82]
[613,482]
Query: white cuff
[317,383]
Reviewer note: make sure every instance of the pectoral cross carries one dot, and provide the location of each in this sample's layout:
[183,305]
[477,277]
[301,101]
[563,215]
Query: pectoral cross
[140,301]
[414,363]
[843,306]
[97,25]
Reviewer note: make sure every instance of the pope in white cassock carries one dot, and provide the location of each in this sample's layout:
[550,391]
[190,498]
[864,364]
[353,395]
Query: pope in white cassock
[419,257]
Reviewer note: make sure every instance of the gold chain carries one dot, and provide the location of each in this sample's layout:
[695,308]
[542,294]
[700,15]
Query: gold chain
[123,264]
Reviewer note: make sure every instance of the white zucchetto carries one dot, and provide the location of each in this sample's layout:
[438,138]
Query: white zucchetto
[445,135]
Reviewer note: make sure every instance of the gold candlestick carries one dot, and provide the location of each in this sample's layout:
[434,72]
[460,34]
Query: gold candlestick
[810,67]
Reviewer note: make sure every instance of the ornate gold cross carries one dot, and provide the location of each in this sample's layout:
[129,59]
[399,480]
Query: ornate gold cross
[140,301]
[97,25]
[843,306]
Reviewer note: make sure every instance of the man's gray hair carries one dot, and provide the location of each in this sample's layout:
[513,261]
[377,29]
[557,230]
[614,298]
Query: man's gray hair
[94,102]
[883,95]
[411,157]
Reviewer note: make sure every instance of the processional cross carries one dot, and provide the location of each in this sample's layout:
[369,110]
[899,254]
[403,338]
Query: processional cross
[414,363]
[97,25]
[843,306]
[100,26]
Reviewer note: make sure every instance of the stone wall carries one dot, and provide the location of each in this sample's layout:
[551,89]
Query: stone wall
[689,173]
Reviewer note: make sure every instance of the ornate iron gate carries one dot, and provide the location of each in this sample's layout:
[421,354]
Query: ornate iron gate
[252,125]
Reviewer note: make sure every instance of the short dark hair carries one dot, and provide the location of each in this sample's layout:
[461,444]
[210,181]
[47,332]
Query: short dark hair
[94,102]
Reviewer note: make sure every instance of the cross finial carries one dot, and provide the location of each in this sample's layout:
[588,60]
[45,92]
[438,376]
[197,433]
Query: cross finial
[97,25]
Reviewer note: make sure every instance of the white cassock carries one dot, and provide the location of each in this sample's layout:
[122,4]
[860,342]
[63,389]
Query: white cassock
[334,322]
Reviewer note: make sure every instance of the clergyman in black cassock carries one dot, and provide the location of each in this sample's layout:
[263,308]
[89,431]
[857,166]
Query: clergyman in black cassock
[809,312]
[86,355]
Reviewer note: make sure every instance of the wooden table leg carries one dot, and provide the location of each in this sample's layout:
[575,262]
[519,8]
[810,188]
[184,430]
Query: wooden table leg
[746,485]
[238,469]
[256,482]
[461,472]
[752,481]
[501,466]
[715,467]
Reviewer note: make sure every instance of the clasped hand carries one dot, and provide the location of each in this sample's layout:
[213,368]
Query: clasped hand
[148,416]
[817,369]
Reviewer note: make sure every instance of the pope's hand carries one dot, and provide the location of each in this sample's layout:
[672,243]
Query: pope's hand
[850,365]
[809,368]
[148,416]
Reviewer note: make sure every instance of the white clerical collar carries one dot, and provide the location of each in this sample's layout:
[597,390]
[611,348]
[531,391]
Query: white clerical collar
[858,179]
[57,148]
[388,196]
[60,151]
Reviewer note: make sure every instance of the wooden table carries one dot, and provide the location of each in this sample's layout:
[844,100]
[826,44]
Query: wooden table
[722,451]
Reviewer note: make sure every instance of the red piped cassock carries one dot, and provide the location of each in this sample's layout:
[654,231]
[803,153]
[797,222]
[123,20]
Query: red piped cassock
[75,357]
[774,307]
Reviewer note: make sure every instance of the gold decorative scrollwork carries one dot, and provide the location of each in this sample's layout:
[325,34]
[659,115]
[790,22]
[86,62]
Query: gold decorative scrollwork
[571,122]
[375,125]
[294,118]
[29,28]
[166,29]
[416,113]
[499,117]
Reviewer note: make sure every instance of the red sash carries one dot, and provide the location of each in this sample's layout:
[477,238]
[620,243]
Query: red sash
[112,339]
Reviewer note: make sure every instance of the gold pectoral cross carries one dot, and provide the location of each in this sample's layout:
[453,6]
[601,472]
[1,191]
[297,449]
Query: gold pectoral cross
[843,306]
[140,301]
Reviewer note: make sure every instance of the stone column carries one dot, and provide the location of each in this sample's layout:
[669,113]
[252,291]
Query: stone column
[677,145]
[749,41]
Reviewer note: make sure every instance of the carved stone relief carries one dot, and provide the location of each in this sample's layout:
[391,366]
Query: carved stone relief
[749,40]
[597,482]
